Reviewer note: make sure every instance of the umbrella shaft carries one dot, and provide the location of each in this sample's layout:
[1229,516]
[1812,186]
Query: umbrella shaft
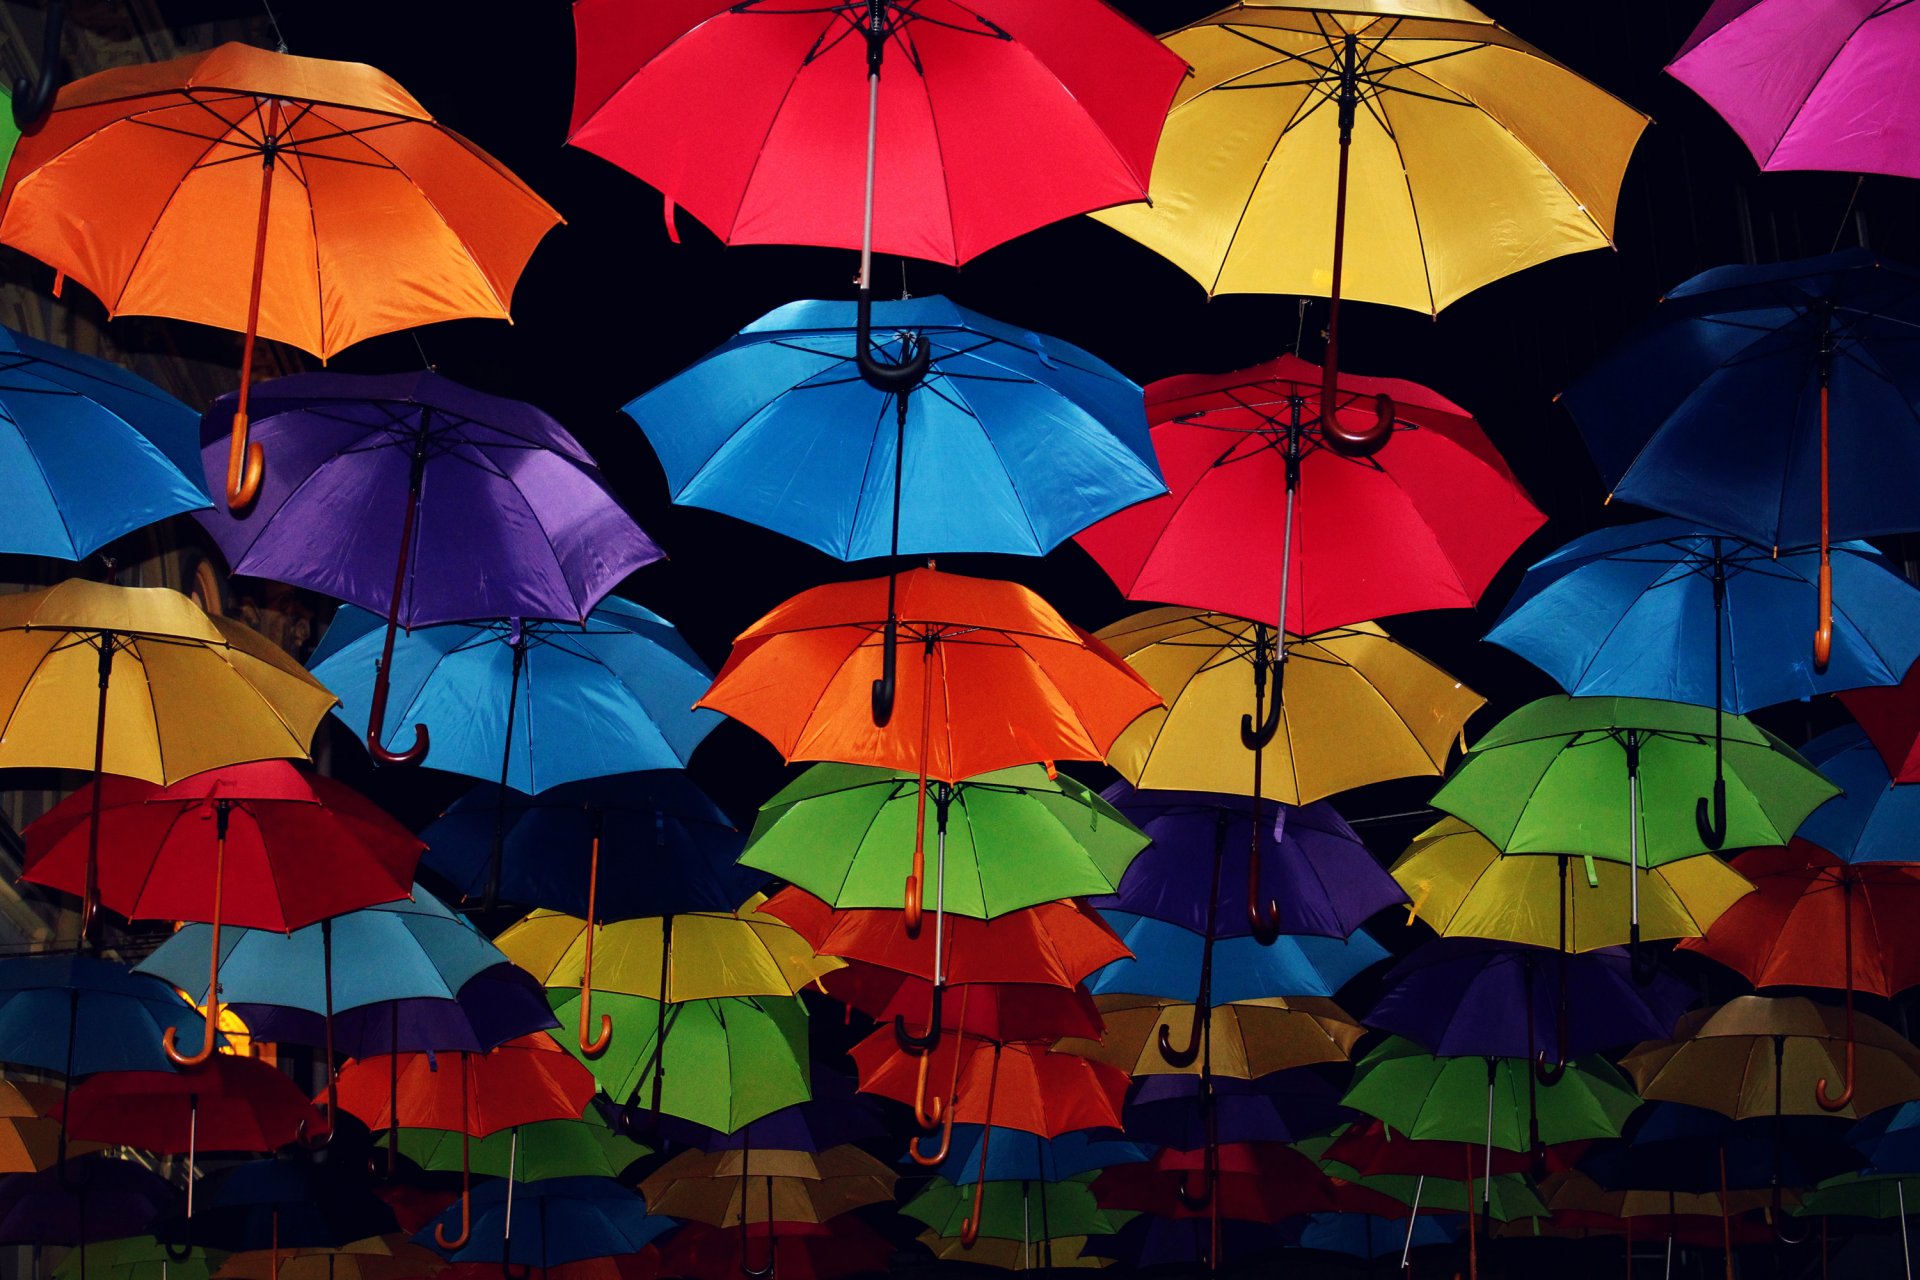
[939,903]
[866,216]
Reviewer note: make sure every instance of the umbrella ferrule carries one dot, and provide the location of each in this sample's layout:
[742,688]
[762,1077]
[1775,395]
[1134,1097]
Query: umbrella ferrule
[876,31]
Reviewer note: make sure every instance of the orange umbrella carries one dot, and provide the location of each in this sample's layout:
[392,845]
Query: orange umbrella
[1004,680]
[147,184]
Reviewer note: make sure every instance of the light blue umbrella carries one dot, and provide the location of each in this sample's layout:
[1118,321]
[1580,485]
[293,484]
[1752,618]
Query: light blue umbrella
[1013,443]
[1872,820]
[88,451]
[1634,611]
[530,705]
[1167,963]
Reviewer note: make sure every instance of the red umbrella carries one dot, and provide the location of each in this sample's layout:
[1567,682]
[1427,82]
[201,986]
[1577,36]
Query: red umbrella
[990,1010]
[230,1104]
[1014,1086]
[801,1250]
[1891,716]
[1252,1181]
[1370,1148]
[261,845]
[524,1081]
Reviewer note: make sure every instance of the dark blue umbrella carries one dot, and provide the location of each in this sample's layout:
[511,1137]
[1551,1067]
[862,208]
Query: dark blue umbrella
[549,1223]
[302,1202]
[1149,1241]
[1666,1146]
[1776,402]
[1889,1139]
[1872,820]
[1013,442]
[79,1014]
[1013,1155]
[1368,1236]
[93,1197]
[88,452]
[661,847]
[1167,1111]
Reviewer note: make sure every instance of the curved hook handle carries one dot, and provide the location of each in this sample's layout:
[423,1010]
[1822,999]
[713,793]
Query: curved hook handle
[1845,1099]
[1182,1058]
[172,1034]
[911,905]
[1711,820]
[185,1251]
[1193,1201]
[894,379]
[921,1158]
[926,1114]
[1263,921]
[970,1225]
[756,1273]
[635,1122]
[511,1272]
[597,1045]
[1548,1075]
[32,98]
[466,1226]
[1345,440]
[326,1131]
[1823,631]
[883,688]
[377,715]
[921,1044]
[246,467]
[1779,1217]
[1255,738]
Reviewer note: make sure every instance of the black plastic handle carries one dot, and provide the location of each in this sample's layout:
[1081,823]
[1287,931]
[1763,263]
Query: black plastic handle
[32,99]
[1712,819]
[921,1043]
[894,379]
[883,688]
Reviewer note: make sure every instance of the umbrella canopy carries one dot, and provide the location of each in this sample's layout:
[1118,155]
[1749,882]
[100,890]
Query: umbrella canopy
[1249,1037]
[135,1258]
[1370,1147]
[767,1187]
[287,1204]
[1284,1106]
[1424,524]
[1358,707]
[554,1221]
[1761,1056]
[993,1010]
[1463,1099]
[1311,863]
[1013,838]
[719,1063]
[587,1147]
[1505,1197]
[90,452]
[1013,1155]
[1463,886]
[90,1198]
[664,847]
[1465,127]
[1670,1147]
[1368,1236]
[1808,86]
[522,1082]
[370,1259]
[852,1249]
[1013,442]
[1170,961]
[1014,1086]
[230,1104]
[531,704]
[1014,682]
[298,847]
[31,1117]
[80,1014]
[1859,1196]
[1804,899]
[1889,1139]
[1252,1182]
[1032,1211]
[1468,997]
[1148,1241]
[1872,819]
[1890,715]
[1635,611]
[994,116]
[835,1113]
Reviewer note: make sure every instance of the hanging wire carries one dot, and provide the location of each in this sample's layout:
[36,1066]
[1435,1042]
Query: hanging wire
[421,348]
[279,39]
[1847,213]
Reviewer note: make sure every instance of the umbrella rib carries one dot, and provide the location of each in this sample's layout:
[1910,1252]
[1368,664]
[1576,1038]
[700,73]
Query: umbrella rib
[466,247]
[147,239]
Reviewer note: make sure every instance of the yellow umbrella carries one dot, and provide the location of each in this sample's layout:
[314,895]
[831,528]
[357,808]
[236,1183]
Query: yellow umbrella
[1575,1191]
[139,681]
[30,1127]
[1762,1056]
[1359,707]
[1014,1255]
[751,1185]
[1250,1038]
[698,955]
[1463,886]
[1472,154]
[374,1258]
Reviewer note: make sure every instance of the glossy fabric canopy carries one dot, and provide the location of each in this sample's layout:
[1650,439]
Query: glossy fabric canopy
[229,1104]
[522,1082]
[1474,154]
[1424,523]
[1873,819]
[138,185]
[1014,441]
[1449,1099]
[554,1221]
[995,116]
[80,1014]
[1251,1038]
[1013,1086]
[1169,959]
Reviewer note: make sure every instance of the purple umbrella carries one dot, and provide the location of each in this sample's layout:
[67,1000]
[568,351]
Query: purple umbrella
[425,501]
[1811,84]
[92,1198]
[1168,1111]
[494,1006]
[1469,997]
[1149,1241]
[1312,866]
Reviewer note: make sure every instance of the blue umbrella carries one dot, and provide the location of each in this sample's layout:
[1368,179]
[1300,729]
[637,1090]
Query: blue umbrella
[1889,1139]
[1013,1155]
[531,704]
[556,1221]
[95,1198]
[1368,1236]
[1872,820]
[1167,962]
[1666,1146]
[1013,443]
[1778,402]
[299,1203]
[79,1014]
[660,845]
[1286,1106]
[88,452]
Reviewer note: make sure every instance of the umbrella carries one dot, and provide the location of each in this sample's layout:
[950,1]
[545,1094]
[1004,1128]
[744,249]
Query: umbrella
[1670,1147]
[1252,1182]
[1250,1037]
[1861,1197]
[531,704]
[1811,360]
[766,1188]
[722,1063]
[1013,444]
[485,507]
[303,848]
[93,1198]
[1166,1110]
[851,1249]
[1549,779]
[1369,1147]
[1368,1236]
[1030,1211]
[78,1014]
[1871,820]
[194,692]
[1311,864]
[91,451]
[521,1082]
[1807,86]
[1463,886]
[1890,715]
[993,1010]
[1761,1055]
[1424,525]
[1015,681]
[1015,1155]
[560,1220]
[135,1258]
[305,1202]
[664,846]
[1173,962]
[369,1259]
[1147,1241]
[588,1146]
[834,1113]
[32,1126]
[131,187]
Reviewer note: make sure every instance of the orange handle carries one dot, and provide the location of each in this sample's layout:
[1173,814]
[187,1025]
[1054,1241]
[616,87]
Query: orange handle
[926,1161]
[213,968]
[246,466]
[1823,633]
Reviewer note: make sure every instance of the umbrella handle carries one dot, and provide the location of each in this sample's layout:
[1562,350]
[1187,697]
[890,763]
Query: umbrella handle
[185,1251]
[212,1022]
[1820,1095]
[1191,1200]
[970,1225]
[893,379]
[466,1174]
[32,98]
[1711,820]
[883,688]
[592,1046]
[246,466]
[926,1114]
[377,715]
[1181,1058]
[1253,737]
[923,1044]
[1548,1075]
[921,1158]
[306,1136]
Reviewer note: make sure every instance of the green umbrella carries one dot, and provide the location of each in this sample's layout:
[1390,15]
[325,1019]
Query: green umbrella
[1507,1196]
[729,1060]
[135,1258]
[532,1152]
[1018,1210]
[1487,1100]
[1855,1195]
[1621,778]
